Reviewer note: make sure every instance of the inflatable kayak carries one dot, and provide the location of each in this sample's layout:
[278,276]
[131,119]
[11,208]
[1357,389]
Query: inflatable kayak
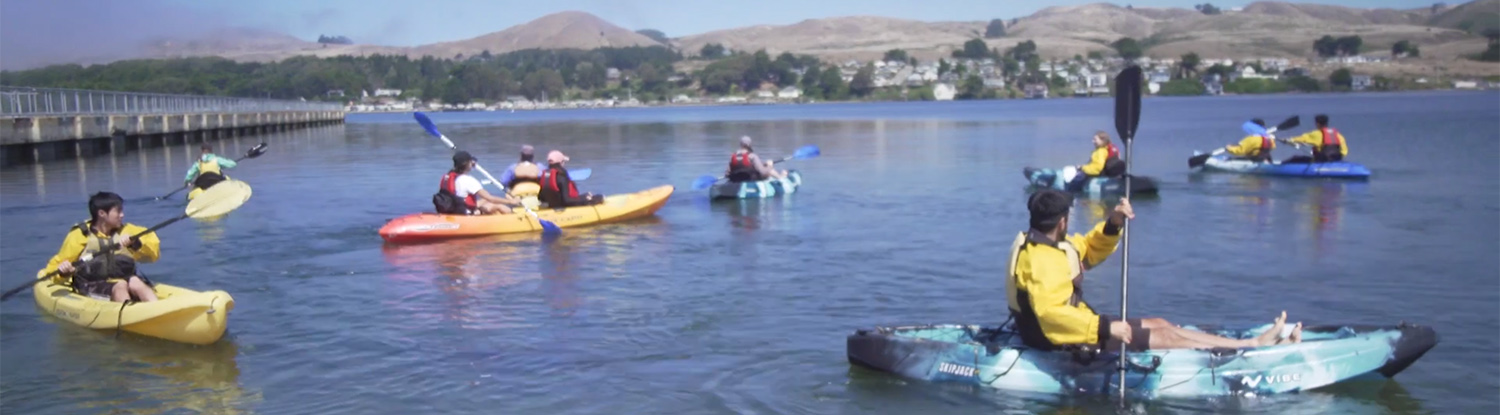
[724,189]
[1336,169]
[1098,186]
[996,357]
[430,226]
[179,314]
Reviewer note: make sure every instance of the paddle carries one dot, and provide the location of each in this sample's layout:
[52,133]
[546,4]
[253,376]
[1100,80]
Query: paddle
[1127,118]
[253,153]
[806,152]
[215,201]
[547,226]
[1250,128]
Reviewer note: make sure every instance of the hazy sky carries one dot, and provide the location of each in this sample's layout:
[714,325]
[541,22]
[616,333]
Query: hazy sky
[101,28]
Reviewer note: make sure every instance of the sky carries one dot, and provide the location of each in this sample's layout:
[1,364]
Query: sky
[36,29]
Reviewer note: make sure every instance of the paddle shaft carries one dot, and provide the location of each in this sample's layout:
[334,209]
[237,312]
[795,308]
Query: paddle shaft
[1127,118]
[13,291]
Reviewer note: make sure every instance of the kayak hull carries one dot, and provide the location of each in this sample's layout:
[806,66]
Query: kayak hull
[1335,170]
[759,189]
[1095,187]
[179,314]
[994,357]
[430,226]
[196,191]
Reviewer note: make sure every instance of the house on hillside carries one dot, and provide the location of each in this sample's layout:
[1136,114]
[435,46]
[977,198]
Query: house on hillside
[790,92]
[387,92]
[1360,82]
[612,74]
[335,93]
[1160,77]
[1035,91]
[944,92]
[1213,85]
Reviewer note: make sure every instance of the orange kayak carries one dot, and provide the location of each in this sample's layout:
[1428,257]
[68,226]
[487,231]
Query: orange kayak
[431,226]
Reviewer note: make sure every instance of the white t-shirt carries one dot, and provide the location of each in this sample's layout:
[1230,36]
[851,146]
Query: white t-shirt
[466,185]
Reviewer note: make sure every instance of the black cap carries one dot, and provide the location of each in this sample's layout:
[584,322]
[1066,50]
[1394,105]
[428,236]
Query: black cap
[1258,121]
[1047,207]
[463,157]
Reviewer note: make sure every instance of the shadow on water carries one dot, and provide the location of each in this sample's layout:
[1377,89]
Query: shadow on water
[143,375]
[753,214]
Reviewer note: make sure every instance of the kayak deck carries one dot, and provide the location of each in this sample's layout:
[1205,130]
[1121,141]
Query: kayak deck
[179,314]
[724,189]
[995,357]
[1336,169]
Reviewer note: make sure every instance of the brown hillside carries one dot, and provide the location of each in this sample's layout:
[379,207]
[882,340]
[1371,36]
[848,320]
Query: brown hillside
[855,37]
[563,30]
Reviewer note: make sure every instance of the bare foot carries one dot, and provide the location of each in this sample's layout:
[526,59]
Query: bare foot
[1270,337]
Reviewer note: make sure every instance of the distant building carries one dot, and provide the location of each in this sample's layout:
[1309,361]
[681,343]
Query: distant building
[1036,91]
[612,74]
[385,92]
[790,92]
[1465,84]
[1360,82]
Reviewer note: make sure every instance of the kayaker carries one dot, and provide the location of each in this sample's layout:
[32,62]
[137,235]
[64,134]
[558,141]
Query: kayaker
[558,189]
[462,194]
[522,171]
[1327,143]
[1255,147]
[746,166]
[1104,161]
[207,171]
[109,252]
[1045,288]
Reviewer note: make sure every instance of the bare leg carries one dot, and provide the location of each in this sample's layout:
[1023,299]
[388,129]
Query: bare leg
[142,291]
[119,292]
[1170,336]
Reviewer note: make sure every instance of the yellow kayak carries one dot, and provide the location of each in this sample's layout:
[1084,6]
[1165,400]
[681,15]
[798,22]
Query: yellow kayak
[179,314]
[616,208]
[196,191]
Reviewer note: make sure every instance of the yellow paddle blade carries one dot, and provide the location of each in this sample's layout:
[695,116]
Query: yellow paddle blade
[223,198]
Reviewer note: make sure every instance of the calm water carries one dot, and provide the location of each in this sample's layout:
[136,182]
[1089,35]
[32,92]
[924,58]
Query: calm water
[744,307]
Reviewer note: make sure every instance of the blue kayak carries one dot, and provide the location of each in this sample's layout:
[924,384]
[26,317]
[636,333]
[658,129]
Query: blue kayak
[725,189]
[1336,169]
[1094,187]
[995,357]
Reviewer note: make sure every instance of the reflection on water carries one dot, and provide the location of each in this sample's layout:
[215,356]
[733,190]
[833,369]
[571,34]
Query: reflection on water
[753,214]
[465,272]
[1325,210]
[142,375]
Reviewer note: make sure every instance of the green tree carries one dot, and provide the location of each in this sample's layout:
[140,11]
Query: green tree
[712,51]
[864,81]
[973,49]
[1342,78]
[1023,51]
[943,67]
[810,81]
[1096,55]
[1302,83]
[1326,46]
[1208,9]
[656,35]
[898,55]
[995,29]
[971,88]
[1404,48]
[1188,65]
[1128,48]
[1350,45]
[832,84]
[1182,87]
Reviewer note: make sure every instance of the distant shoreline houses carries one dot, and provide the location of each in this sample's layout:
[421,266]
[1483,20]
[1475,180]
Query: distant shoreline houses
[1065,78]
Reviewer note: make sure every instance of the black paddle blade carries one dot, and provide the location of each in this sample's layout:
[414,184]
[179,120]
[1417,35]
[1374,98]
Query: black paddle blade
[1128,102]
[1198,160]
[256,151]
[1290,123]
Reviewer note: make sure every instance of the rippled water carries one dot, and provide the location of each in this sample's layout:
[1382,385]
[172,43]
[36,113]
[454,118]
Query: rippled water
[743,307]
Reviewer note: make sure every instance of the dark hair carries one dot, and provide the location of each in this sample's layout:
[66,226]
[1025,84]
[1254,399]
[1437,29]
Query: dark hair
[1321,119]
[1048,207]
[207,147]
[1258,121]
[460,166]
[104,201]
[528,157]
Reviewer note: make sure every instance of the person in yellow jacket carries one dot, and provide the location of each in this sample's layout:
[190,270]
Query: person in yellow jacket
[108,251]
[1327,143]
[1104,161]
[1256,147]
[1045,288]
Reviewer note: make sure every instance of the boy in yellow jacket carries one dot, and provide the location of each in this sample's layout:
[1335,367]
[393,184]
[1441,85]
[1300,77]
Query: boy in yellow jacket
[1045,288]
[109,253]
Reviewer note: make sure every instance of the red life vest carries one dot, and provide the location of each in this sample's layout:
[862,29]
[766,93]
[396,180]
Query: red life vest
[1330,137]
[549,182]
[450,185]
[1114,152]
[741,161]
[1266,145]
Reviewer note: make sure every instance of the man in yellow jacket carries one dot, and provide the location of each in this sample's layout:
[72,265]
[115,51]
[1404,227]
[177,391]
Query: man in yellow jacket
[109,253]
[1256,147]
[1327,143]
[1045,288]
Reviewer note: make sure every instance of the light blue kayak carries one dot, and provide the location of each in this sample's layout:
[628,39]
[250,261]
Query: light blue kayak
[996,358]
[724,189]
[1094,187]
[1335,169]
